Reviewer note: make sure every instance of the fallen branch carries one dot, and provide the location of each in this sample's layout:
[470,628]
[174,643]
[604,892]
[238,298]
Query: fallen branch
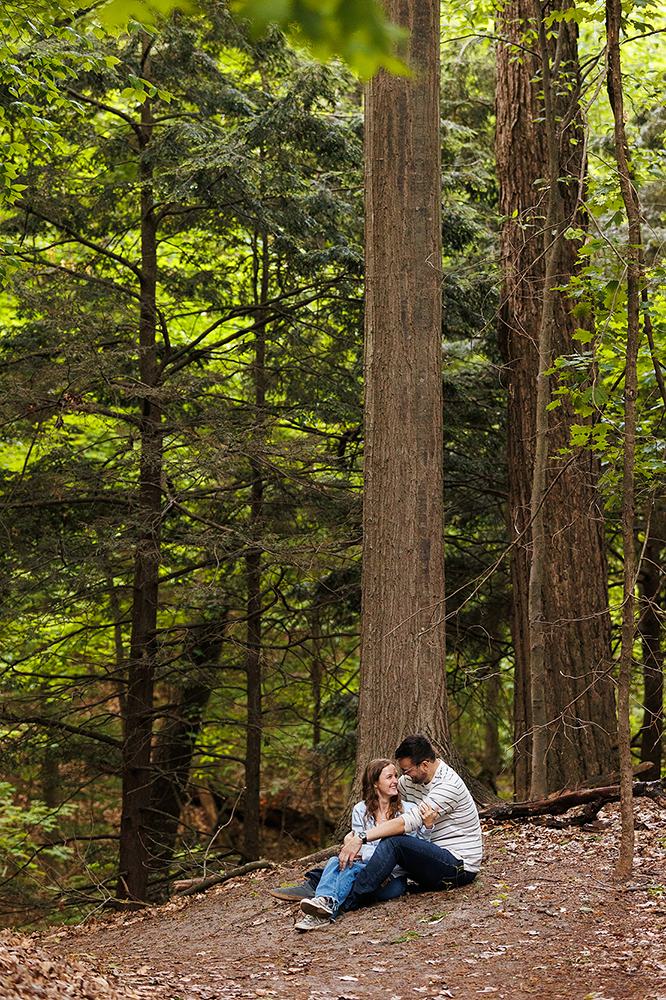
[655,790]
[189,887]
[323,854]
[602,780]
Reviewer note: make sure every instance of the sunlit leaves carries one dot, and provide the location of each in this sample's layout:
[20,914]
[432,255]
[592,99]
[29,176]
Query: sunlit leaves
[355,30]
[117,14]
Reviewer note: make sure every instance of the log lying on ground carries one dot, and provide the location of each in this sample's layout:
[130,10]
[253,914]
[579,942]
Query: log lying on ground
[188,887]
[602,780]
[191,886]
[593,798]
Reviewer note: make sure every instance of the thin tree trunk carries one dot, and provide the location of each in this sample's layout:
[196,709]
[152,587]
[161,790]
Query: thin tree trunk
[316,674]
[134,847]
[253,558]
[653,655]
[492,748]
[403,665]
[172,760]
[116,613]
[630,199]
[175,743]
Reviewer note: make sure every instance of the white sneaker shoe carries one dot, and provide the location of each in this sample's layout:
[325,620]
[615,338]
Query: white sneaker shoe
[310,922]
[320,906]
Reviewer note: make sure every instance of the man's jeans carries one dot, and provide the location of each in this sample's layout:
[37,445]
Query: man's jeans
[431,866]
[337,884]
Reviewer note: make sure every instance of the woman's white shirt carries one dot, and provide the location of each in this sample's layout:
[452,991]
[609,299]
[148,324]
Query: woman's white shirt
[363,821]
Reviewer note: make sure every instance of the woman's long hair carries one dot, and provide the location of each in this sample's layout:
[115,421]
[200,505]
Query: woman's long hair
[370,796]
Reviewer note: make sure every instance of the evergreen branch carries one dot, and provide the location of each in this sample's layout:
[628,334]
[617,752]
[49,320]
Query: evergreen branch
[104,107]
[67,502]
[104,411]
[84,241]
[43,720]
[237,314]
[56,642]
[75,840]
[170,209]
[105,282]
[184,351]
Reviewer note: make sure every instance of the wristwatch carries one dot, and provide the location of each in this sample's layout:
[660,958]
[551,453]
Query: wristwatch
[364,837]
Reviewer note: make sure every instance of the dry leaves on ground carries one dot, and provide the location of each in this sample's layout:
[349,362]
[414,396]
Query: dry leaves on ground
[27,972]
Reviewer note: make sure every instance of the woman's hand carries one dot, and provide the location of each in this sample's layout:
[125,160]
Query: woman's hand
[428,814]
[350,851]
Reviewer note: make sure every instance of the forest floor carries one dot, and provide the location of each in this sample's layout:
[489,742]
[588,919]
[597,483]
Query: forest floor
[543,919]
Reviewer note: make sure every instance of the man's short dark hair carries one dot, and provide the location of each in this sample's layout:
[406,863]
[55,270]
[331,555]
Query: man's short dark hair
[417,747]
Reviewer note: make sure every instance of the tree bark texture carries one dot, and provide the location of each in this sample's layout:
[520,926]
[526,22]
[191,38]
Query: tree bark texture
[253,559]
[492,712]
[556,221]
[172,759]
[175,741]
[403,675]
[135,820]
[630,199]
[579,694]
[317,670]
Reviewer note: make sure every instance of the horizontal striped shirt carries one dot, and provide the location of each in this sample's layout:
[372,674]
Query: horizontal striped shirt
[457,828]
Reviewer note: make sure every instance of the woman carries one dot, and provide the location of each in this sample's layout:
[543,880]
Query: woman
[381,801]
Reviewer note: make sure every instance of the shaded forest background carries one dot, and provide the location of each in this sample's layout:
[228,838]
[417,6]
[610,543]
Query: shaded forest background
[182,438]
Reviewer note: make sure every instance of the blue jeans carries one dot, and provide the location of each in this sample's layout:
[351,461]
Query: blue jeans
[430,866]
[337,884]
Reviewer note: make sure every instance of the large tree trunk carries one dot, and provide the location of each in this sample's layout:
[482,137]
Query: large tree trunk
[135,819]
[403,678]
[579,702]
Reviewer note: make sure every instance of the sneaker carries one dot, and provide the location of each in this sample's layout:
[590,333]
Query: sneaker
[293,893]
[310,922]
[320,906]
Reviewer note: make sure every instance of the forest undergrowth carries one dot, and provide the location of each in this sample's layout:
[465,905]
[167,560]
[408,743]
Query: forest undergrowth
[544,918]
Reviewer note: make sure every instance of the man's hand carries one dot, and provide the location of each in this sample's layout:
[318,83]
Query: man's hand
[428,813]
[350,851]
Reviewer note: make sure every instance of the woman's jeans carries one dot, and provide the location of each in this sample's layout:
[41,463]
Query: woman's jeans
[337,884]
[430,866]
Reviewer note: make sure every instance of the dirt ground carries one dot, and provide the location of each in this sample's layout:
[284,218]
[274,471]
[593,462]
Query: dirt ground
[543,919]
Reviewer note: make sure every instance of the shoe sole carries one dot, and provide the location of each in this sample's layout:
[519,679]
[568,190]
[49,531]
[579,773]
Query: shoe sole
[293,894]
[314,910]
[304,930]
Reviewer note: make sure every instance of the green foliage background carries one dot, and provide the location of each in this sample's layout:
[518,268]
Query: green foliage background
[257,172]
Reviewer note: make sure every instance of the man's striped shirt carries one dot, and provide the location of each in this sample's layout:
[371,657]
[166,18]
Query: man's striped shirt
[457,828]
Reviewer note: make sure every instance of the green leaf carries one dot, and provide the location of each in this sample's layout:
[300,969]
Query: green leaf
[355,30]
[596,395]
[116,14]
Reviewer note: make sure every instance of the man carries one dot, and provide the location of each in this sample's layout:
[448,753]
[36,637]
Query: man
[452,856]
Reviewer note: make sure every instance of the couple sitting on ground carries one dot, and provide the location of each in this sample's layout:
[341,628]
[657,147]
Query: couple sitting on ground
[423,826]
